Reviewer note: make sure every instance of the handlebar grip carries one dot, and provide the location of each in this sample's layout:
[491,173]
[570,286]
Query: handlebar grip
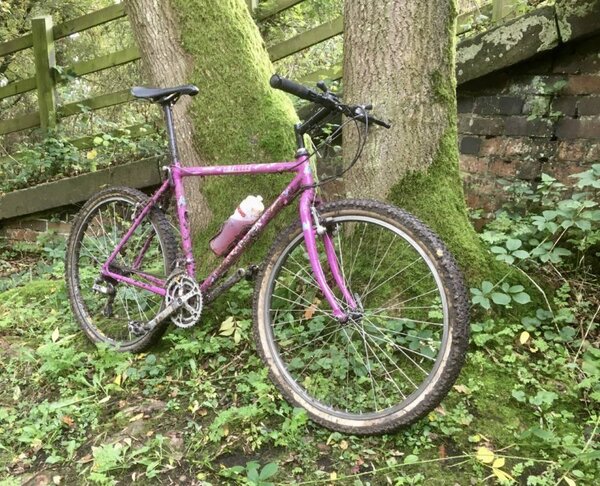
[293,88]
[381,123]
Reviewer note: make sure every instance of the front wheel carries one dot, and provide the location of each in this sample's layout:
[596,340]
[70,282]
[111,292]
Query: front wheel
[402,349]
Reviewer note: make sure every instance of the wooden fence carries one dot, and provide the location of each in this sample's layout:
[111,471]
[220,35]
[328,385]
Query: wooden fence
[139,174]
[41,39]
[44,33]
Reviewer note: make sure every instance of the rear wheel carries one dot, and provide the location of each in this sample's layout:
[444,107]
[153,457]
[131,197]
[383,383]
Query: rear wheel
[403,347]
[105,309]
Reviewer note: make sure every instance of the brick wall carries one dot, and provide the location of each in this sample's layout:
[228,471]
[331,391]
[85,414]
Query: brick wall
[542,115]
[29,228]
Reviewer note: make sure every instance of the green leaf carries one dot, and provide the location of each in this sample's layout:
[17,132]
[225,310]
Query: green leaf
[411,459]
[500,298]
[97,140]
[513,244]
[482,301]
[268,471]
[521,254]
[487,286]
[584,224]
[521,298]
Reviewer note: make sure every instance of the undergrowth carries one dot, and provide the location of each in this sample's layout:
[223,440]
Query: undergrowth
[200,408]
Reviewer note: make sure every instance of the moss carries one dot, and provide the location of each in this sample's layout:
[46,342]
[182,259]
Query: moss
[511,34]
[436,197]
[34,291]
[237,117]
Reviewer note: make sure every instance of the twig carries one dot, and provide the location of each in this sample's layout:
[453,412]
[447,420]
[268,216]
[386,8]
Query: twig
[587,331]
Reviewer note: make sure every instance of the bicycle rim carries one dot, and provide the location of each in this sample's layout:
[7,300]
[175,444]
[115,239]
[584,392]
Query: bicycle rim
[143,257]
[384,357]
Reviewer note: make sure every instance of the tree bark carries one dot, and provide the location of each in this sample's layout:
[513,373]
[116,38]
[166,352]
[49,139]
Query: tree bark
[236,118]
[399,55]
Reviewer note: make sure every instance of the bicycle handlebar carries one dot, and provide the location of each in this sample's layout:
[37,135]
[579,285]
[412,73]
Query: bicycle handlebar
[328,100]
[294,88]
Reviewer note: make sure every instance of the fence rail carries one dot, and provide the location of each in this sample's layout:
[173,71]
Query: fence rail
[43,35]
[41,39]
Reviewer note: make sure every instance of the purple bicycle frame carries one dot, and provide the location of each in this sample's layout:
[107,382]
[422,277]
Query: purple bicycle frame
[302,182]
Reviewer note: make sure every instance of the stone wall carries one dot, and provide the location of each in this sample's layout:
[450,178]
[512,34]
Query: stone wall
[539,116]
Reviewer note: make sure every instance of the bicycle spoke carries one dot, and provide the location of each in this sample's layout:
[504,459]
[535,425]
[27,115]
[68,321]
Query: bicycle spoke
[386,349]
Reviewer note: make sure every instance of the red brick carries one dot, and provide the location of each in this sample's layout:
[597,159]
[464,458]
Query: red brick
[569,128]
[524,127]
[33,224]
[572,150]
[473,165]
[589,105]
[504,168]
[493,146]
[21,234]
[476,125]
[583,84]
[529,169]
[564,171]
[517,146]
[593,154]
[60,228]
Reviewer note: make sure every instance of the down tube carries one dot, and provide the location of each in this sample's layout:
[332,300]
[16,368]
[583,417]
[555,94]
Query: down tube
[313,255]
[282,200]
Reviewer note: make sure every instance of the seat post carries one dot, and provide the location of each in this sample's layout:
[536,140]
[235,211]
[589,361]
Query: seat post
[168,109]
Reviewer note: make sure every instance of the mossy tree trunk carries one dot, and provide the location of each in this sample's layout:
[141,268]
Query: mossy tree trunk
[236,118]
[400,57]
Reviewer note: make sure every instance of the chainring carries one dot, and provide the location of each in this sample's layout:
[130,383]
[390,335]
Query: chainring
[180,285]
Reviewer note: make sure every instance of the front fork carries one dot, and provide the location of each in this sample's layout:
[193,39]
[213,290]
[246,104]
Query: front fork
[311,228]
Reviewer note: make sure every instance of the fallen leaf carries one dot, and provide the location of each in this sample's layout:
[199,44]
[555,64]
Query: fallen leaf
[441,410]
[499,462]
[442,451]
[91,155]
[569,481]
[139,416]
[68,421]
[55,335]
[333,476]
[310,311]
[344,445]
[484,455]
[462,389]
[500,474]
[524,337]
[85,459]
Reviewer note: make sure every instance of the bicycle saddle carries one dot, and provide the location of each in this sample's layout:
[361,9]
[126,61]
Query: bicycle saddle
[164,95]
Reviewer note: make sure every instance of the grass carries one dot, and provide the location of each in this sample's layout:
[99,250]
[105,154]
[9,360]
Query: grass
[200,409]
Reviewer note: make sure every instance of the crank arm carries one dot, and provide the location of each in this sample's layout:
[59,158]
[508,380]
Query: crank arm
[167,311]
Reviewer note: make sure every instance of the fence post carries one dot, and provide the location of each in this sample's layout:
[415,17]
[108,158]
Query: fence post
[501,9]
[252,4]
[498,10]
[45,61]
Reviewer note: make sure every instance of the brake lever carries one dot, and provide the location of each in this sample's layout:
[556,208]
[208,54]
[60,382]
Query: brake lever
[361,112]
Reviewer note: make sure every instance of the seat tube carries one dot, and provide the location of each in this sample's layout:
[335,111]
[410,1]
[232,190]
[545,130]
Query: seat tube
[184,222]
[309,232]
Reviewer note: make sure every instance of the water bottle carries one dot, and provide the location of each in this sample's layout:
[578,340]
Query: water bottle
[243,217]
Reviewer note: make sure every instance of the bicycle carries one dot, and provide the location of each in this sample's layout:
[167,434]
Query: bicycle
[360,311]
